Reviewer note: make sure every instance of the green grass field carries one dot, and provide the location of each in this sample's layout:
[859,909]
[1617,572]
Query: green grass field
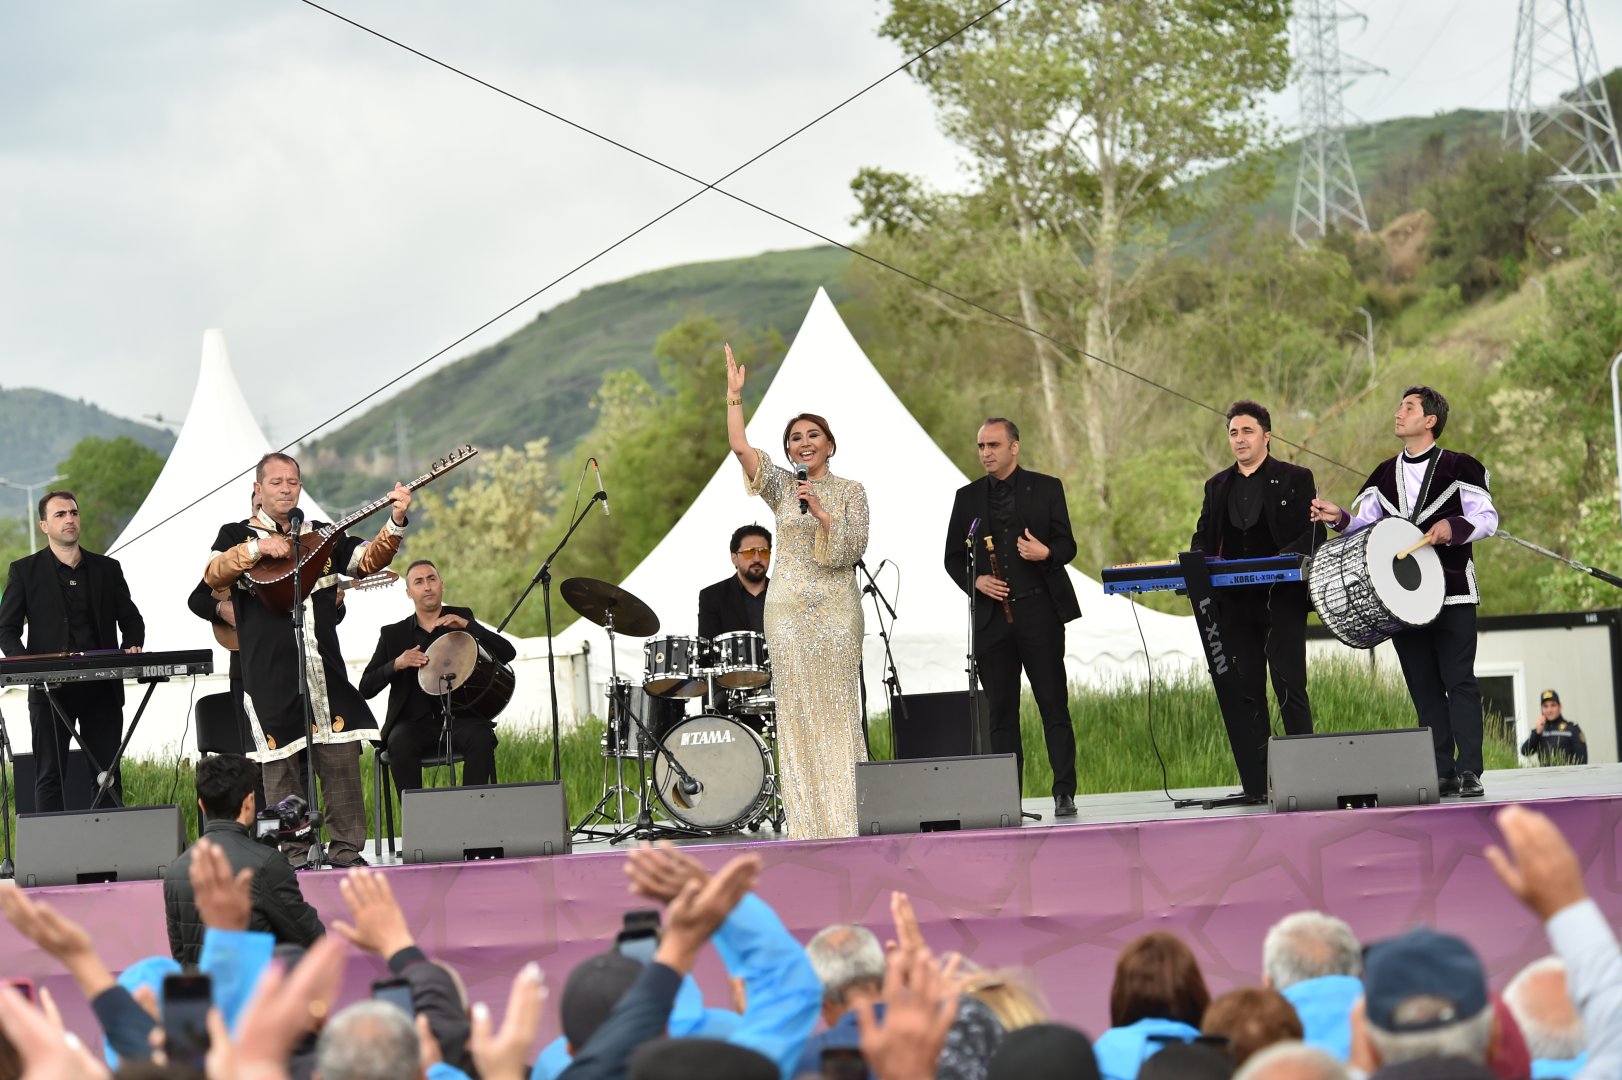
[1112,736]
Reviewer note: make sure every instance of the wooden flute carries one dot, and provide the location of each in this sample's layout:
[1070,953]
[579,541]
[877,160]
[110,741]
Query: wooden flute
[996,572]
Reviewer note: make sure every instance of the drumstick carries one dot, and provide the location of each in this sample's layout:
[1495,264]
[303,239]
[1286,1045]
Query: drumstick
[1423,541]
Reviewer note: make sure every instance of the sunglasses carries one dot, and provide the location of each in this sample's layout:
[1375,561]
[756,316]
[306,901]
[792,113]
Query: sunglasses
[755,553]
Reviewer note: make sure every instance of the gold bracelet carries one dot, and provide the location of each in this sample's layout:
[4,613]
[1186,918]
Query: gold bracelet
[734,401]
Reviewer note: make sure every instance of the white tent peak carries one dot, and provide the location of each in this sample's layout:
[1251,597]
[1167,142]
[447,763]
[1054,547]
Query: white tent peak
[910,486]
[166,544]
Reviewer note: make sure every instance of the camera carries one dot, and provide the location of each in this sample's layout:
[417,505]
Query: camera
[290,819]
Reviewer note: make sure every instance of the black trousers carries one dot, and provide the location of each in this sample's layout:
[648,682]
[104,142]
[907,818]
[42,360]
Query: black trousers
[414,740]
[99,717]
[1034,642]
[1439,663]
[1265,633]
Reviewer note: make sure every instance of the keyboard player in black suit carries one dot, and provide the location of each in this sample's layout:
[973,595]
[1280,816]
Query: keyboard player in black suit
[1256,507]
[73,600]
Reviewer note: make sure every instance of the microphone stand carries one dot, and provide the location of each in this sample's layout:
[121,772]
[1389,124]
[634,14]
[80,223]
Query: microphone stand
[973,666]
[446,681]
[543,578]
[893,678]
[317,853]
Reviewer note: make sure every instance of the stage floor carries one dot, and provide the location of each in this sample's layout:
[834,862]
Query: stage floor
[1058,899]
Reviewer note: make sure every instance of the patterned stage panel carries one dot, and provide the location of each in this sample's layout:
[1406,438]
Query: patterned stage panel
[1060,900]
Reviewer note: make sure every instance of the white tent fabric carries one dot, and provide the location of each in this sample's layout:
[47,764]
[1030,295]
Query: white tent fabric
[910,485]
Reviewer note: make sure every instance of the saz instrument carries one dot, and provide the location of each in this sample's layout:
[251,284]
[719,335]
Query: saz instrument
[227,635]
[272,579]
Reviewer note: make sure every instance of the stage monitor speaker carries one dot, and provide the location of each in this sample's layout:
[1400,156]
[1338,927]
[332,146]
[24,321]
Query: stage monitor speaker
[937,794]
[485,821]
[84,847]
[78,782]
[1351,770]
[937,725]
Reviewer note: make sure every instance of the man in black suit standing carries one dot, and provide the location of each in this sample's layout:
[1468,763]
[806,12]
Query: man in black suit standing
[414,724]
[1256,507]
[1019,616]
[739,602]
[73,600]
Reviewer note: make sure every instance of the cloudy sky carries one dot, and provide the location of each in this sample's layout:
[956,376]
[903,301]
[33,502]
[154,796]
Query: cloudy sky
[343,209]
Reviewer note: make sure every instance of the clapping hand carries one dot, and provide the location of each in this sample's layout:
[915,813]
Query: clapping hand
[504,1054]
[1539,867]
[224,900]
[379,926]
[920,1005]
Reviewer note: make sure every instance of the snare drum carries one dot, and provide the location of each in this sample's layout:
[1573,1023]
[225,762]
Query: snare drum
[731,766]
[1363,593]
[741,661]
[756,708]
[674,666]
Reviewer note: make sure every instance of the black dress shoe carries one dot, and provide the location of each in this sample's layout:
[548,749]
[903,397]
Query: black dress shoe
[1064,806]
[1470,785]
[1448,785]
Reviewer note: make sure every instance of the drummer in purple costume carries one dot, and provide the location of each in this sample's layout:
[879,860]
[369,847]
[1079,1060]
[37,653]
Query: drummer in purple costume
[1445,494]
[414,724]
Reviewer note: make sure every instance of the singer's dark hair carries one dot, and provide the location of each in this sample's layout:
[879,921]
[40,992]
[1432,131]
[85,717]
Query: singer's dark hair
[748,530]
[833,443]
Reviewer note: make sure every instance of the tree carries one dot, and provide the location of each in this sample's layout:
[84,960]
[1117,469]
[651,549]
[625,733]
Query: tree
[1484,213]
[1083,122]
[111,478]
[487,533]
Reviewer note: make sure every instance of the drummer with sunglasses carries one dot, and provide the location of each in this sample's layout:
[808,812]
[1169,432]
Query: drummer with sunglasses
[414,724]
[739,602]
[1445,494]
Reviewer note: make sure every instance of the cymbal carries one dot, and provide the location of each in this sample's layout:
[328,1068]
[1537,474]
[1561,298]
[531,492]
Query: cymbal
[597,600]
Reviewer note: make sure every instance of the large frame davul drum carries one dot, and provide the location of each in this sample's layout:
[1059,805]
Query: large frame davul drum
[1363,593]
[729,762]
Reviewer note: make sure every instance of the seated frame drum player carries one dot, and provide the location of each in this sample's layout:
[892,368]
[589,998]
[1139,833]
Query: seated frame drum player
[414,727]
[1444,493]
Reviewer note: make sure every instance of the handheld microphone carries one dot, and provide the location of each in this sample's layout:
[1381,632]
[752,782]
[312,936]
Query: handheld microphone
[598,469]
[800,474]
[295,518]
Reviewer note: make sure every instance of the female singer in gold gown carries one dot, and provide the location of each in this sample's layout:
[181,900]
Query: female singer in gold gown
[813,619]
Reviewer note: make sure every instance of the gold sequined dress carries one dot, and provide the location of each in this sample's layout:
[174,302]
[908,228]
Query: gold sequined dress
[814,635]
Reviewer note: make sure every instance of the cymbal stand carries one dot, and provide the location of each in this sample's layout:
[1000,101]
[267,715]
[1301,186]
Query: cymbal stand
[643,828]
[619,735]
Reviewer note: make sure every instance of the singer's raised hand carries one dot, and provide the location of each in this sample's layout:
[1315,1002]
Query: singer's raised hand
[735,375]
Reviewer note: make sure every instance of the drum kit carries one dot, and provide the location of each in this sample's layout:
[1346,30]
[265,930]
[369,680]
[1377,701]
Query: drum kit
[709,773]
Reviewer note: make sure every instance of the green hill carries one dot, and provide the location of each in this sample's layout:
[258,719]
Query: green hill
[539,381]
[38,429]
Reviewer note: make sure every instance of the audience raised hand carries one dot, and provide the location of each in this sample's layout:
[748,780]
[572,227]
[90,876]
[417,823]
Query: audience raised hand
[224,900]
[920,1006]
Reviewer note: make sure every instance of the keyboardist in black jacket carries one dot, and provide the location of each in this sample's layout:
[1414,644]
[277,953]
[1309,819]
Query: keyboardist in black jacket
[72,600]
[414,724]
[1256,507]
